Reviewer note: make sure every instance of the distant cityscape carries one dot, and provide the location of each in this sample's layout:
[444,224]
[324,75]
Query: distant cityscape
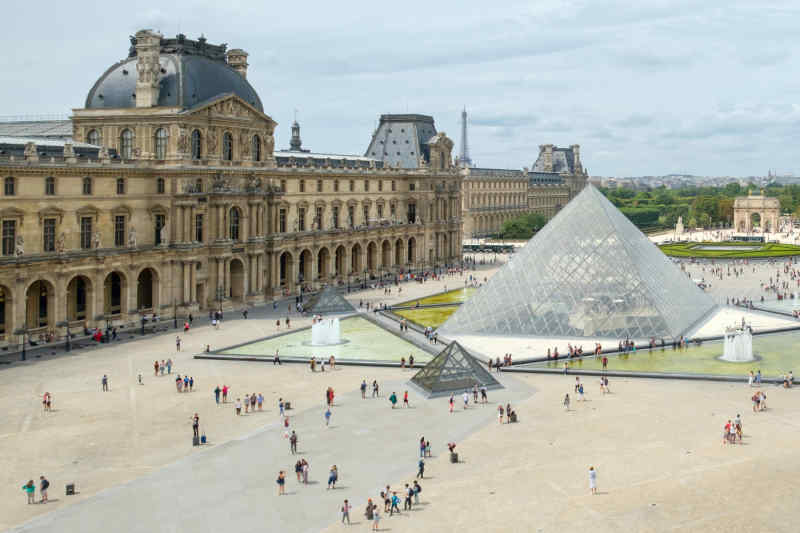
[679,181]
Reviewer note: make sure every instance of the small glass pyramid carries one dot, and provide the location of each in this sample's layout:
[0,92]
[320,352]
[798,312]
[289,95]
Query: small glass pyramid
[588,273]
[454,370]
[328,301]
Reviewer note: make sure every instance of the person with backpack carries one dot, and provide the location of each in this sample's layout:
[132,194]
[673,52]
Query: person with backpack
[43,486]
[417,489]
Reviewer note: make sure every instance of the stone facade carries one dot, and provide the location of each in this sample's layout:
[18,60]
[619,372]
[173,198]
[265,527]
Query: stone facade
[492,196]
[188,207]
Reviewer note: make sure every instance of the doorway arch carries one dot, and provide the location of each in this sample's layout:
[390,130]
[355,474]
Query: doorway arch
[412,250]
[340,267]
[6,312]
[114,288]
[79,299]
[40,308]
[237,279]
[147,290]
[372,256]
[286,264]
[304,270]
[398,252]
[386,254]
[355,259]
[323,262]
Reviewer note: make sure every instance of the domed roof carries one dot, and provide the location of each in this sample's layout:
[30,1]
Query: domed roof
[187,79]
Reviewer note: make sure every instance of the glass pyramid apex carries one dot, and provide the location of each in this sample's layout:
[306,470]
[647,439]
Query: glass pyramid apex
[453,370]
[588,273]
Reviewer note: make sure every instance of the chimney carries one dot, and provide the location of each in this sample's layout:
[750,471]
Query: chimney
[148,47]
[576,158]
[237,59]
[546,151]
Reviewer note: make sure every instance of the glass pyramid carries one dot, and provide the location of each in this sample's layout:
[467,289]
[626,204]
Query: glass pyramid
[454,370]
[588,273]
[328,301]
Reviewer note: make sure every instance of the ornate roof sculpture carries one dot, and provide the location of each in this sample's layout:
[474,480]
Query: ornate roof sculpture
[453,370]
[588,273]
[188,73]
[328,301]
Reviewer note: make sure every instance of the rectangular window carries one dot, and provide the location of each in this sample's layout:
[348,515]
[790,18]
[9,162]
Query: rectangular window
[302,185]
[319,218]
[282,221]
[301,219]
[366,185]
[283,185]
[86,233]
[335,185]
[335,216]
[119,230]
[161,220]
[120,186]
[198,228]
[319,185]
[412,186]
[49,235]
[394,186]
[412,213]
[366,214]
[380,185]
[9,236]
[351,216]
[380,211]
[352,185]
[392,211]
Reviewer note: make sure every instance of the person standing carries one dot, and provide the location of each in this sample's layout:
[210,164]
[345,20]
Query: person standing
[375,388]
[393,399]
[408,496]
[169,366]
[376,518]
[196,425]
[225,390]
[484,399]
[281,482]
[327,417]
[333,476]
[500,412]
[593,480]
[452,402]
[43,486]
[566,402]
[395,504]
[178,344]
[405,399]
[105,383]
[30,490]
[238,406]
[465,396]
[293,443]
[421,469]
[217,391]
[346,512]
[417,490]
[281,406]
[422,447]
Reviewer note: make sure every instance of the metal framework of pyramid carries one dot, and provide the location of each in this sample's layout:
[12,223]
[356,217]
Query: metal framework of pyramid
[588,273]
[328,301]
[453,370]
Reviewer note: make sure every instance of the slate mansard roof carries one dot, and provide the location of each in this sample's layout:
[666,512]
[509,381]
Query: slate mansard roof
[402,139]
[192,72]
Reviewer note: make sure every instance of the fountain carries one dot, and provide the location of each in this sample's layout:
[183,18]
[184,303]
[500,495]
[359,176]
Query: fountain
[738,346]
[325,332]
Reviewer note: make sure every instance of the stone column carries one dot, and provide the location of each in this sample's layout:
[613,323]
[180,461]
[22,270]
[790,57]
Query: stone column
[220,223]
[187,223]
[220,277]
[187,282]
[226,264]
[193,282]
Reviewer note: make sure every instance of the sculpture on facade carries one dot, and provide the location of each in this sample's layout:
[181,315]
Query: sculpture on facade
[61,243]
[183,141]
[132,237]
[97,241]
[164,235]
[19,248]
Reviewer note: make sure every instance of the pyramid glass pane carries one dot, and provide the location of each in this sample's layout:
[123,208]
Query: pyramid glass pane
[588,273]
[328,301]
[453,370]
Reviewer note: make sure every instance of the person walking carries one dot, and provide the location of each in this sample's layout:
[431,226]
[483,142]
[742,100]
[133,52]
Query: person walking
[395,504]
[465,396]
[217,392]
[393,399]
[363,389]
[421,469]
[333,477]
[293,443]
[566,402]
[238,406]
[281,482]
[196,426]
[346,512]
[30,490]
[484,398]
[281,407]
[422,447]
[375,388]
[376,518]
[178,343]
[405,399]
[225,390]
[169,366]
[593,480]
[43,486]
[452,403]
[327,417]
[417,490]
[500,412]
[104,381]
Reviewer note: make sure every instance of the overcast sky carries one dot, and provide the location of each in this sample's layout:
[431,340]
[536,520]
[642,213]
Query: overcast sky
[703,87]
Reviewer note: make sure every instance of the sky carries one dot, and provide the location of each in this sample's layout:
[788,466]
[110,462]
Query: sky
[646,88]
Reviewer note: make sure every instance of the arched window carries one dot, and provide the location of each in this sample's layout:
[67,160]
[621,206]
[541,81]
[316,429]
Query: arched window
[93,137]
[87,185]
[10,186]
[227,147]
[161,144]
[256,148]
[160,186]
[50,186]
[234,224]
[120,185]
[126,144]
[197,150]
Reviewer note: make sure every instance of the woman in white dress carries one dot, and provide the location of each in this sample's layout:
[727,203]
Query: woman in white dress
[593,480]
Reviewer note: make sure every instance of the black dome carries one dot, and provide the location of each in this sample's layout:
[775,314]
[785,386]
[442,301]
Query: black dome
[186,80]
